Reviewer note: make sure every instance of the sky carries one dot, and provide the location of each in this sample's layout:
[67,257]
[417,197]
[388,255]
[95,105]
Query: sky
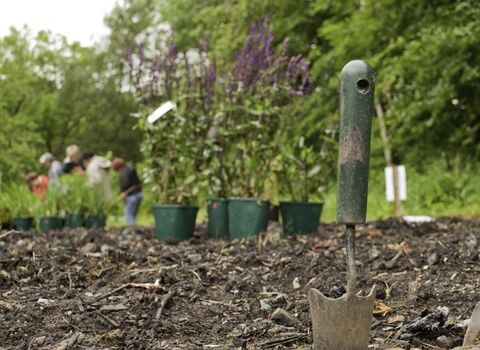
[78,20]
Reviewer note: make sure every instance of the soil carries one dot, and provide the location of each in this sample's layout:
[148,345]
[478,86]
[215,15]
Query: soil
[119,288]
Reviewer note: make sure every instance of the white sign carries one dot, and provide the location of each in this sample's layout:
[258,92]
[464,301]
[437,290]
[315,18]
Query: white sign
[164,108]
[401,180]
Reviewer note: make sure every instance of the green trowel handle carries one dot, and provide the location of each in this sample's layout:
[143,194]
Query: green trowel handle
[357,87]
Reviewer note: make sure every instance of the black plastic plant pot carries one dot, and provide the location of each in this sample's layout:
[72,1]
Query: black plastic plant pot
[76,220]
[247,217]
[7,225]
[300,217]
[23,223]
[174,221]
[50,223]
[96,220]
[217,210]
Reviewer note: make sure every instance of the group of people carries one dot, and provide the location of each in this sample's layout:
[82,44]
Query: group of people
[96,169]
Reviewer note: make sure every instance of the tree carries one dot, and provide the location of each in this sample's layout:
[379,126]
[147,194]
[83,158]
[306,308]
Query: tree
[18,136]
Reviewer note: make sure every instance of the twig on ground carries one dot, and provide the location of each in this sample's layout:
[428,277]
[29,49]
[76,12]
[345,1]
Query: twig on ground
[171,292]
[283,340]
[69,284]
[109,320]
[210,302]
[443,245]
[196,274]
[430,346]
[148,286]
[7,233]
[99,273]
[71,324]
[136,272]
[115,290]
[397,256]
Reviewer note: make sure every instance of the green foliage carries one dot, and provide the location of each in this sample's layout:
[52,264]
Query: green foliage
[75,193]
[304,172]
[52,203]
[94,201]
[227,22]
[21,201]
[5,206]
[45,86]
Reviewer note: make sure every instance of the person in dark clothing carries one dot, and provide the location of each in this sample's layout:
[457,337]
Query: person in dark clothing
[131,189]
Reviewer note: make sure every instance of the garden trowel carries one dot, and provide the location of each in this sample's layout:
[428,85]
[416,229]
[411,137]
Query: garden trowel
[344,323]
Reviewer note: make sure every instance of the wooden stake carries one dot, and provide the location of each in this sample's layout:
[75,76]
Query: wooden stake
[389,159]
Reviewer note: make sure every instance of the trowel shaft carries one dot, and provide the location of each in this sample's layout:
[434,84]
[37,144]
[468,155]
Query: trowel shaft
[351,269]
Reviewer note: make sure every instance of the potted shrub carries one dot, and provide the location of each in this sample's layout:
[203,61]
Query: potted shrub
[261,94]
[303,172]
[175,142]
[74,199]
[24,205]
[50,210]
[96,205]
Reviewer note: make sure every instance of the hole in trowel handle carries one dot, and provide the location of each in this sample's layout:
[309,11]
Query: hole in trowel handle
[363,86]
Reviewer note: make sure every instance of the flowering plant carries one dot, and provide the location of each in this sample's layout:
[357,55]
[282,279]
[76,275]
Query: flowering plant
[261,95]
[224,133]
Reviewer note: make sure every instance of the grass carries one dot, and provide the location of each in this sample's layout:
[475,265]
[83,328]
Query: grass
[433,192]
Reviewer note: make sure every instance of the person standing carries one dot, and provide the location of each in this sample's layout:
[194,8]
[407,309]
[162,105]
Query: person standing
[55,169]
[96,168]
[72,161]
[130,187]
[38,183]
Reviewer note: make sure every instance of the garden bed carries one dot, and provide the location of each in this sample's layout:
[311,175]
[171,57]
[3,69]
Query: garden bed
[120,288]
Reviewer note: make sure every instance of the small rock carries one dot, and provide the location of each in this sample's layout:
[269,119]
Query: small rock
[239,342]
[39,340]
[264,305]
[445,341]
[406,336]
[283,318]
[118,307]
[390,264]
[14,276]
[432,259]
[194,258]
[89,248]
[75,339]
[471,241]
[296,284]
[378,265]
